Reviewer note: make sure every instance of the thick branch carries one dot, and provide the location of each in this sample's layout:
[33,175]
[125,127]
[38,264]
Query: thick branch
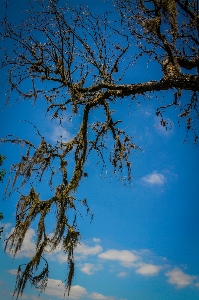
[189,12]
[188,64]
[186,82]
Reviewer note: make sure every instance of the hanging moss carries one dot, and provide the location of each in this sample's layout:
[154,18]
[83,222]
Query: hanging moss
[82,72]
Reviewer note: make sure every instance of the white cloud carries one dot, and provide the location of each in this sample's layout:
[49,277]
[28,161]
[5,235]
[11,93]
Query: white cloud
[97,296]
[13,272]
[81,252]
[154,178]
[125,257]
[28,246]
[36,297]
[57,250]
[148,113]
[56,288]
[59,133]
[90,269]
[96,240]
[5,226]
[197,284]
[85,250]
[179,278]
[77,292]
[164,130]
[122,274]
[87,268]
[24,296]
[148,270]
[62,258]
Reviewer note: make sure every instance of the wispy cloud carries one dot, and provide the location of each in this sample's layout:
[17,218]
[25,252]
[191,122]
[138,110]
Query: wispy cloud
[154,178]
[24,296]
[180,279]
[32,297]
[148,269]
[125,257]
[84,250]
[13,272]
[96,240]
[167,130]
[96,296]
[122,274]
[59,133]
[5,226]
[56,288]
[138,260]
[28,246]
[197,284]
[90,269]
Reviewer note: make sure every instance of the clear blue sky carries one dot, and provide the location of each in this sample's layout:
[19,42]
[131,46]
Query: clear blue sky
[143,242]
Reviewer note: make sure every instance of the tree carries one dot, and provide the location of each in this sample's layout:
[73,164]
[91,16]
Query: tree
[52,56]
[2,174]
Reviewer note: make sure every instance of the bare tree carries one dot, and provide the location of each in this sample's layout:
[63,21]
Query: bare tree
[76,61]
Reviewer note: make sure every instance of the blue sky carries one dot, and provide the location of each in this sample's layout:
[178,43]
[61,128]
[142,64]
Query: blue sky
[143,241]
